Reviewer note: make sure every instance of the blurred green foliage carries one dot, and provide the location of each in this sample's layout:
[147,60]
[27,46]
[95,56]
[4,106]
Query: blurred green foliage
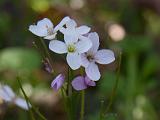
[19,59]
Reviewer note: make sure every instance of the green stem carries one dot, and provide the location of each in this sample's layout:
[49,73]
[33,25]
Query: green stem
[115,86]
[47,53]
[70,76]
[82,104]
[70,95]
[27,100]
[101,110]
[82,98]
[41,46]
[32,107]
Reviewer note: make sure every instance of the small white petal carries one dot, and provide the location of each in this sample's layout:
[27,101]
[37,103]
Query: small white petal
[92,72]
[71,24]
[84,60]
[21,103]
[104,56]
[5,96]
[70,39]
[38,30]
[95,42]
[50,37]
[62,23]
[83,29]
[58,46]
[83,45]
[9,91]
[6,93]
[45,23]
[74,60]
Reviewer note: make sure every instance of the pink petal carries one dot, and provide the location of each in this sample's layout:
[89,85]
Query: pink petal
[89,82]
[78,83]
[58,82]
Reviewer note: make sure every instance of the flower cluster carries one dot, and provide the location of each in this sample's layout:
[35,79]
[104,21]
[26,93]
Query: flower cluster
[81,47]
[7,94]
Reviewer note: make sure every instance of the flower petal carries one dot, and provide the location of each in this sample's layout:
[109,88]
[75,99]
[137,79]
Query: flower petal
[71,24]
[92,72]
[6,93]
[70,39]
[83,45]
[78,83]
[62,23]
[58,46]
[84,60]
[58,82]
[50,37]
[38,30]
[95,42]
[21,103]
[74,60]
[83,29]
[45,23]
[104,56]
[89,82]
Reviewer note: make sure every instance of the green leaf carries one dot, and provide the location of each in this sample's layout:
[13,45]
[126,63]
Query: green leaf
[19,59]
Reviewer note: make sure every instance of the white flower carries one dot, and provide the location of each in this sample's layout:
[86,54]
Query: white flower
[7,94]
[93,56]
[74,31]
[45,28]
[73,48]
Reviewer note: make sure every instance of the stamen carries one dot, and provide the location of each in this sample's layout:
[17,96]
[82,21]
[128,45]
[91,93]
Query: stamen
[71,48]
[90,57]
[50,31]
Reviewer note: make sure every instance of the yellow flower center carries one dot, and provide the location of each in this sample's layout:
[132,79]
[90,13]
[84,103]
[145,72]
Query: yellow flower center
[71,48]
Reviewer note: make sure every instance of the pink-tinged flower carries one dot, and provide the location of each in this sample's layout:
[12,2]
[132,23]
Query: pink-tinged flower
[46,29]
[7,94]
[58,82]
[74,31]
[94,56]
[81,83]
[73,48]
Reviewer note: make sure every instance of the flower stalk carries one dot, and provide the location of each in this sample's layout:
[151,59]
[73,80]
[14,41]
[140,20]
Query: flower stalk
[32,108]
[82,104]
[47,53]
[115,86]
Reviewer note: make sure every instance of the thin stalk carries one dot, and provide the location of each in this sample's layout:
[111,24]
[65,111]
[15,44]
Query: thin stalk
[115,86]
[32,107]
[101,110]
[82,104]
[82,99]
[69,81]
[70,95]
[26,98]
[47,53]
